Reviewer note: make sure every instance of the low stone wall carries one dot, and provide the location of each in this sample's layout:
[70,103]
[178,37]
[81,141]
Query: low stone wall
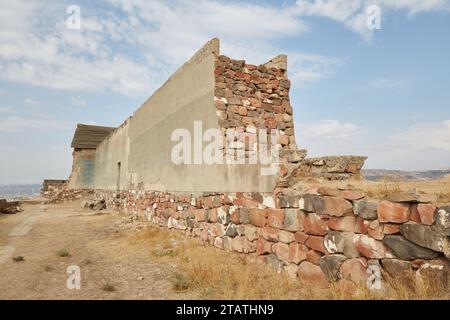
[62,194]
[323,234]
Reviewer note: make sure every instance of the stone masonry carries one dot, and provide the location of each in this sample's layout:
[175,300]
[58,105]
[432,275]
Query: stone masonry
[320,234]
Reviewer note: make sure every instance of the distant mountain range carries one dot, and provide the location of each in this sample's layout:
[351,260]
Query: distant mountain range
[379,174]
[12,192]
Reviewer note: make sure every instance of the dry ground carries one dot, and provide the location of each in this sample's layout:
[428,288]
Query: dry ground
[119,263]
[93,242]
[380,189]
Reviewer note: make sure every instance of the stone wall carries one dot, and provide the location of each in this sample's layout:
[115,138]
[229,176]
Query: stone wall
[216,92]
[323,234]
[83,169]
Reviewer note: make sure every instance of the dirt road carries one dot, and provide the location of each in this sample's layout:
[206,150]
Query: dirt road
[111,266]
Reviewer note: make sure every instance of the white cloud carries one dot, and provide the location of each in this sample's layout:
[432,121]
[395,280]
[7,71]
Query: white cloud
[31,102]
[426,136]
[353,13]
[309,68]
[37,123]
[328,129]
[134,45]
[420,146]
[77,101]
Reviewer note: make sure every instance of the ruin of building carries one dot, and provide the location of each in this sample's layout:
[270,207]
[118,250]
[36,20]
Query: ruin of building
[318,233]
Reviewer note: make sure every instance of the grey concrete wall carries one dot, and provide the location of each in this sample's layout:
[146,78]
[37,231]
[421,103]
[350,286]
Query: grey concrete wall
[187,96]
[113,150]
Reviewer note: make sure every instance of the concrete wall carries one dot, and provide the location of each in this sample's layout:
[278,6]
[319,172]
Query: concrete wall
[83,169]
[145,141]
[112,151]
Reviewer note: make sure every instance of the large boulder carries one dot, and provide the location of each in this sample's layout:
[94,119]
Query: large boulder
[432,237]
[393,212]
[366,209]
[354,270]
[396,267]
[406,250]
[369,247]
[341,242]
[330,266]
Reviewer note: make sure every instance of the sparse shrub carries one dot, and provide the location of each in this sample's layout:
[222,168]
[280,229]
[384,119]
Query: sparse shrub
[387,187]
[165,253]
[18,259]
[180,282]
[63,253]
[108,286]
[48,268]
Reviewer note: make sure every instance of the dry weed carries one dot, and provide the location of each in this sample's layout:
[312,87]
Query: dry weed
[216,274]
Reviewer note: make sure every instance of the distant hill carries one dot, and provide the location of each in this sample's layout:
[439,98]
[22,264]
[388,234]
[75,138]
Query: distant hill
[379,174]
[11,192]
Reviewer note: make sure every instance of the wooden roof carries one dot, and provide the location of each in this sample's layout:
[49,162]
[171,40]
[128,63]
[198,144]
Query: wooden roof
[89,137]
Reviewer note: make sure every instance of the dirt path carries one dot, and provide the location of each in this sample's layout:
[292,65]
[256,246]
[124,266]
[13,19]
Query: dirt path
[104,254]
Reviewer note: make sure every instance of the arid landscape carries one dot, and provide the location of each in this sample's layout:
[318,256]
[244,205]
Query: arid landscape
[206,152]
[123,258]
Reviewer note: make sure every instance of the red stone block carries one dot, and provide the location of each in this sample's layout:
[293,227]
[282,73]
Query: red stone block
[313,256]
[369,247]
[258,217]
[355,270]
[342,224]
[301,237]
[393,212]
[297,252]
[269,233]
[352,195]
[315,225]
[426,213]
[361,225]
[414,216]
[316,243]
[390,228]
[235,216]
[312,273]
[334,206]
[275,218]
[213,215]
[262,246]
[200,215]
[281,250]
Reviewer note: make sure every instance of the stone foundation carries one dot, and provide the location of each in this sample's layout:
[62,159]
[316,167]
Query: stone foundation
[323,234]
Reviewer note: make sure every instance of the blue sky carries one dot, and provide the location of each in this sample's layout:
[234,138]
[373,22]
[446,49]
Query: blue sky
[381,93]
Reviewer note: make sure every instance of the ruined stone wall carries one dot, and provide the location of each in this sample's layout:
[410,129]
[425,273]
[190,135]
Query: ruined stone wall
[83,169]
[254,97]
[322,234]
[188,97]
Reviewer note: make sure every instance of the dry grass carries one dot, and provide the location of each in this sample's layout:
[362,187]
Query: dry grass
[108,287]
[63,253]
[385,188]
[18,259]
[381,189]
[215,274]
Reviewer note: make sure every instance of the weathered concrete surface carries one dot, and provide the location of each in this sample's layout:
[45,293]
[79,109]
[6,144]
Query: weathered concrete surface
[143,145]
[112,151]
[83,169]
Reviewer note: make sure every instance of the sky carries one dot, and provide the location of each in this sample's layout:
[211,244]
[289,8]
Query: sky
[379,92]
